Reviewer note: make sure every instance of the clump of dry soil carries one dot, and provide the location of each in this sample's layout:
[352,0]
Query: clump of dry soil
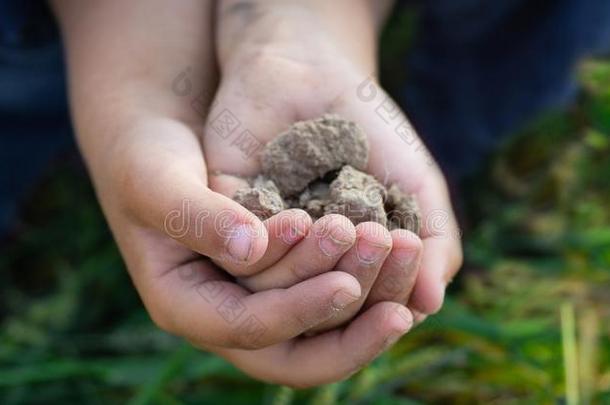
[316,165]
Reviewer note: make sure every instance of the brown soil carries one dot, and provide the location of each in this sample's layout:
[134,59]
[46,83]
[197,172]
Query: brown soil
[316,165]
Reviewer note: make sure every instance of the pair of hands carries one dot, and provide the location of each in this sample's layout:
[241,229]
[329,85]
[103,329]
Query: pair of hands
[164,175]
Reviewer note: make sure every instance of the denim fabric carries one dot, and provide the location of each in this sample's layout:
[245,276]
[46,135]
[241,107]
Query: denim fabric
[34,122]
[480,68]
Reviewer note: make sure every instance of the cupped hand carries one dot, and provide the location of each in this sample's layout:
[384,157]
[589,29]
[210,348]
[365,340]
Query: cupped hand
[188,295]
[277,75]
[141,141]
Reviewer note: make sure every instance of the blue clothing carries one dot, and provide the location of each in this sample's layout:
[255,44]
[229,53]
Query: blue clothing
[478,69]
[34,121]
[481,68]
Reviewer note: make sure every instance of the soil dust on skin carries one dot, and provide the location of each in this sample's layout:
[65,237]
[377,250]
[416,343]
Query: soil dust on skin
[316,165]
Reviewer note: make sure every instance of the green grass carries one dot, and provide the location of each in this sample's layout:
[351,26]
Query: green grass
[526,322]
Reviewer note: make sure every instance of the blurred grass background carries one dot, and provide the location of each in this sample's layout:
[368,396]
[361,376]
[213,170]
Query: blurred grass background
[526,322]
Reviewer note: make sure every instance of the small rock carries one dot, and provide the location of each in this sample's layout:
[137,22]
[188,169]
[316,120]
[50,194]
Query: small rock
[310,149]
[263,198]
[358,196]
[316,165]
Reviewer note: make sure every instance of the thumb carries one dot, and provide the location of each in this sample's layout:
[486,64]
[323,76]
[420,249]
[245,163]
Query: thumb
[167,191]
[213,225]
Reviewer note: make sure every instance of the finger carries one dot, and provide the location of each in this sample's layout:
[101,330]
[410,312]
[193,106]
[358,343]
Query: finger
[429,291]
[399,156]
[212,225]
[403,159]
[352,348]
[442,250]
[329,238]
[363,261]
[331,356]
[399,271]
[285,230]
[179,203]
[196,302]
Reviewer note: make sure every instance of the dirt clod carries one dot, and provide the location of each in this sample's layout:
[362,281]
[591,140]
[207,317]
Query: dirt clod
[308,150]
[358,196]
[263,198]
[316,165]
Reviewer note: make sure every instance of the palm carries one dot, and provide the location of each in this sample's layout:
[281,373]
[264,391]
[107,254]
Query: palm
[273,91]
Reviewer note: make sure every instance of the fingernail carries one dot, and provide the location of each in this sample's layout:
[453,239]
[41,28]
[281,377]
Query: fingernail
[418,317]
[406,318]
[342,299]
[402,327]
[369,252]
[239,243]
[293,234]
[391,340]
[404,256]
[336,242]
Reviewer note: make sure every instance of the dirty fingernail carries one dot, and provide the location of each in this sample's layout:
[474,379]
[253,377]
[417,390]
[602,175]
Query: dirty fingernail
[239,243]
[294,233]
[369,252]
[342,299]
[335,243]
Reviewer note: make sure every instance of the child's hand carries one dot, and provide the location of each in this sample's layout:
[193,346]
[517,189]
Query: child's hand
[141,143]
[287,61]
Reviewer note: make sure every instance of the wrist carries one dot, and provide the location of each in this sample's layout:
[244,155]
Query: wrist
[307,32]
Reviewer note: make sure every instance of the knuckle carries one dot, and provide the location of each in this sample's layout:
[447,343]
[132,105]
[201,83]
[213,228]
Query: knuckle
[299,271]
[158,312]
[391,284]
[238,340]
[305,317]
[304,321]
[162,321]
